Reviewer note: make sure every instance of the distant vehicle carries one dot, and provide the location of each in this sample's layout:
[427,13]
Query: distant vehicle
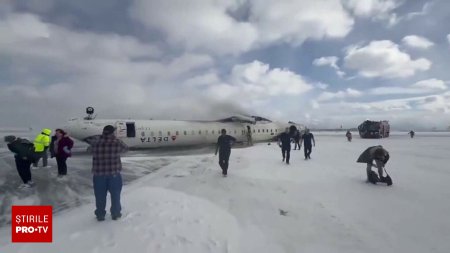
[142,134]
[374,129]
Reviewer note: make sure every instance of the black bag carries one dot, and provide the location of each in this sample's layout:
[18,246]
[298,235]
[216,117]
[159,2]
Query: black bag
[388,180]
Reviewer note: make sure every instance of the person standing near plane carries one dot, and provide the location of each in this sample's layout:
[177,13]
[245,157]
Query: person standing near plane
[41,143]
[249,136]
[23,156]
[308,141]
[223,146]
[284,141]
[61,146]
[106,168]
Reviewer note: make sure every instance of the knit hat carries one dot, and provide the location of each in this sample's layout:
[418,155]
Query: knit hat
[108,129]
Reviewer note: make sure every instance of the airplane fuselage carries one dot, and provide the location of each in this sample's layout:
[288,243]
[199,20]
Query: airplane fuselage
[171,133]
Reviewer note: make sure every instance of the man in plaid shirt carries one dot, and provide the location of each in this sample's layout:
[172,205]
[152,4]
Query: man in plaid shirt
[106,167]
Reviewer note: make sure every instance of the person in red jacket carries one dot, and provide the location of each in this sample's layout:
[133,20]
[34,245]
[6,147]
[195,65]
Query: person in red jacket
[61,149]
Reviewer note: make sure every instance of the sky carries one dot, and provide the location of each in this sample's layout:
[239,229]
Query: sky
[323,63]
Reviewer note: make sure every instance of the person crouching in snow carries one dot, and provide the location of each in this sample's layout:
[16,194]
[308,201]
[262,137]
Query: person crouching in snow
[381,157]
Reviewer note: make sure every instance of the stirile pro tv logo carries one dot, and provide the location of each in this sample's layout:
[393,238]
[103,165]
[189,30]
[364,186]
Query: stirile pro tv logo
[31,224]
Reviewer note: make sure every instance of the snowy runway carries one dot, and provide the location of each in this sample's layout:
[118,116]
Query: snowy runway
[318,205]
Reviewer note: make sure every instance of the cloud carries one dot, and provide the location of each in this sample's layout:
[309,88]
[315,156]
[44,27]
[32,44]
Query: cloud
[255,83]
[326,61]
[372,8]
[415,41]
[53,67]
[436,104]
[377,10]
[197,25]
[294,22]
[325,96]
[383,59]
[397,90]
[233,27]
[421,87]
[431,84]
[329,61]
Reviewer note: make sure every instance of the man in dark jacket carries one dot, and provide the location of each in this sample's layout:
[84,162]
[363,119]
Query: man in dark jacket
[24,156]
[106,168]
[308,141]
[377,154]
[284,141]
[223,146]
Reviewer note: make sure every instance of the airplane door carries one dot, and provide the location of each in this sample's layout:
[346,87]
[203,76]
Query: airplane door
[131,130]
[121,129]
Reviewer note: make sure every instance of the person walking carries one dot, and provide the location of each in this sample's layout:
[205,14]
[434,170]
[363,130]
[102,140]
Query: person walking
[61,147]
[284,142]
[41,144]
[308,142]
[349,135]
[106,168]
[223,146]
[24,156]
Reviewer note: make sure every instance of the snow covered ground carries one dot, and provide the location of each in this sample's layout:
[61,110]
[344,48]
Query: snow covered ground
[180,203]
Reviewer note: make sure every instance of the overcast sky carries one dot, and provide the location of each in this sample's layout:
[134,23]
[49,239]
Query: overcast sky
[324,63]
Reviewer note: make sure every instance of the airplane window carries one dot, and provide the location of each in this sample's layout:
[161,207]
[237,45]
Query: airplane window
[271,130]
[199,131]
[160,133]
[212,131]
[177,133]
[234,131]
[276,130]
[185,133]
[254,131]
[258,131]
[168,133]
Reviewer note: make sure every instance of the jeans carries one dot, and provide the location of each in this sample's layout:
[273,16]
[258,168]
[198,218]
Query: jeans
[102,185]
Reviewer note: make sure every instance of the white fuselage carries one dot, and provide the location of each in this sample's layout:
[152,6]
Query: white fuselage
[172,133]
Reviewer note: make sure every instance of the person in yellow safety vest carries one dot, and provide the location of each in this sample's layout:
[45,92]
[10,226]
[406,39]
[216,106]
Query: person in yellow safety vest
[41,144]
